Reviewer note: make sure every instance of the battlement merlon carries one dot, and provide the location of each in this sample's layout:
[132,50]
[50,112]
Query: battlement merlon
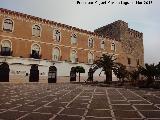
[117,24]
[118,28]
[135,33]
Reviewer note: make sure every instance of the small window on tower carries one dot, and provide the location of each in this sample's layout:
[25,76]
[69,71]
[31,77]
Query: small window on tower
[113,46]
[102,44]
[129,61]
[90,42]
[137,62]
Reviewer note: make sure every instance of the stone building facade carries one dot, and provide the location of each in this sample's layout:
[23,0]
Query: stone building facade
[131,42]
[26,40]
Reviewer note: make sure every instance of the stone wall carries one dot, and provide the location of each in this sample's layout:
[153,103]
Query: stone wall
[131,42]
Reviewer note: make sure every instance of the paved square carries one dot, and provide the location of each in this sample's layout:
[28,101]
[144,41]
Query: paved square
[64,101]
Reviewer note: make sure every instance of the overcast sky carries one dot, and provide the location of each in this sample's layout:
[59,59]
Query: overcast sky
[143,18]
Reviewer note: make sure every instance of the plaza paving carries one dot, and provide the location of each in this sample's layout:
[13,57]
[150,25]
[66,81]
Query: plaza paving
[35,101]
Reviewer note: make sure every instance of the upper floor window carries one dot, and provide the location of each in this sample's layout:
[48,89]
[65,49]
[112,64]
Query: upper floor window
[36,30]
[90,42]
[57,35]
[56,54]
[6,48]
[73,39]
[137,62]
[73,56]
[35,51]
[129,61]
[90,58]
[102,44]
[8,25]
[113,46]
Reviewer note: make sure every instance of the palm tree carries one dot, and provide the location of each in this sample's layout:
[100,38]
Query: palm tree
[149,71]
[134,75]
[120,72]
[107,63]
[80,69]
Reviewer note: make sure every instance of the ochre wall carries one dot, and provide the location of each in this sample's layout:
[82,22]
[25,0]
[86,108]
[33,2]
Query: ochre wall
[22,39]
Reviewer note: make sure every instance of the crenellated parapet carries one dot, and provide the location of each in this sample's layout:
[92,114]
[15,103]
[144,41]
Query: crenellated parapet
[117,30]
[135,34]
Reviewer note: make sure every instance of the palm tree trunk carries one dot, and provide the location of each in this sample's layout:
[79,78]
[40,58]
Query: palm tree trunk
[108,76]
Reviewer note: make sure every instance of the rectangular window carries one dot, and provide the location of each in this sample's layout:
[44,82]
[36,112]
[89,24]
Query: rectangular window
[129,61]
[113,47]
[8,25]
[137,62]
[90,42]
[36,30]
[102,44]
[57,35]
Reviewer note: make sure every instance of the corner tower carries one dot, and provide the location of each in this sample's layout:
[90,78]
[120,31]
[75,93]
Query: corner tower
[131,42]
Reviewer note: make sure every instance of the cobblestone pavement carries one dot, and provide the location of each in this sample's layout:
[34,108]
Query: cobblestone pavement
[35,101]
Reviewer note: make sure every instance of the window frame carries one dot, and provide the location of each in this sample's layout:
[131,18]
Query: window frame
[38,46]
[54,54]
[91,38]
[39,31]
[4,23]
[90,53]
[129,61]
[74,38]
[54,36]
[76,57]
[6,47]
[102,40]
[113,50]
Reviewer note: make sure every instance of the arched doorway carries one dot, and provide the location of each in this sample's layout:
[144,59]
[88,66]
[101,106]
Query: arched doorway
[34,73]
[52,74]
[4,72]
[90,75]
[73,74]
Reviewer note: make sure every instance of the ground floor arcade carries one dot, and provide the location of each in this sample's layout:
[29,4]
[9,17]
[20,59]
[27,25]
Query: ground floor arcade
[23,70]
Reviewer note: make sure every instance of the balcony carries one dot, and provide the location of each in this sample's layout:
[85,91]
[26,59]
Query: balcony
[35,56]
[90,61]
[6,53]
[7,30]
[74,60]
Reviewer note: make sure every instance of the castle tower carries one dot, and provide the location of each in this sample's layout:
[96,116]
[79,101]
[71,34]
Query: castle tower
[131,40]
